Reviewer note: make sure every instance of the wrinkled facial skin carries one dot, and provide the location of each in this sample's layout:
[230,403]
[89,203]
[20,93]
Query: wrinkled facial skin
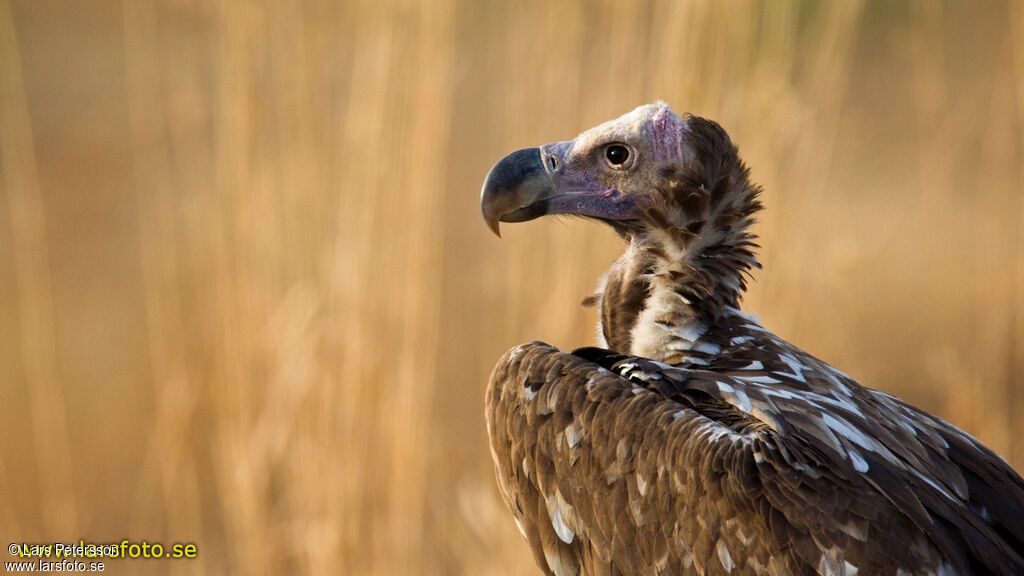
[609,172]
[589,186]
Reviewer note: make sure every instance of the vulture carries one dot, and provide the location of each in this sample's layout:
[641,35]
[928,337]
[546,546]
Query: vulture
[695,441]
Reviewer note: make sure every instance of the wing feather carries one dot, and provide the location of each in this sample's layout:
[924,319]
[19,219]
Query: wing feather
[619,465]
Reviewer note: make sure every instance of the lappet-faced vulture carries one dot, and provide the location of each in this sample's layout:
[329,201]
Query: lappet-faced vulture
[695,441]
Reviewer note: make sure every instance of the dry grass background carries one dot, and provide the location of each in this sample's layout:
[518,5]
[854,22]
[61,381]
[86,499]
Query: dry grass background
[247,300]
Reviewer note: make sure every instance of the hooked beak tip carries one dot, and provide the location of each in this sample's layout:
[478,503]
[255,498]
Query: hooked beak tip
[493,224]
[512,186]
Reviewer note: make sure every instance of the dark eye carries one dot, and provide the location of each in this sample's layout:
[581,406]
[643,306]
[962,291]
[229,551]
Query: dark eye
[617,155]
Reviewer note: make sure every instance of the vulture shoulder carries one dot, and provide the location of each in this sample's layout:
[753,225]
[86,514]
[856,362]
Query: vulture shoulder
[758,459]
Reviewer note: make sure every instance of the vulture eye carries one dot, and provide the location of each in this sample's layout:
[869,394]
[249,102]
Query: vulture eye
[617,156]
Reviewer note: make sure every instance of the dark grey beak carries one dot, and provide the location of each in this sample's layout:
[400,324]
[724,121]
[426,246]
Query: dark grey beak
[516,189]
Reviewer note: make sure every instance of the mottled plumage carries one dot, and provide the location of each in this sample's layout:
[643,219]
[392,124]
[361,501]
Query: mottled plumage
[699,442]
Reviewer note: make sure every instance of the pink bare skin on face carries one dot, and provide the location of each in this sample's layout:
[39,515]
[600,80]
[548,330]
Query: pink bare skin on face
[667,130]
[609,172]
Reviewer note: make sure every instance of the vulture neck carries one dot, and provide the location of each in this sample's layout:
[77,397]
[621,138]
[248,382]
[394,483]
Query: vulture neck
[668,289]
[689,254]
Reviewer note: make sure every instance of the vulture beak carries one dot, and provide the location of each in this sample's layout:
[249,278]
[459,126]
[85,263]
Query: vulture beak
[533,182]
[516,189]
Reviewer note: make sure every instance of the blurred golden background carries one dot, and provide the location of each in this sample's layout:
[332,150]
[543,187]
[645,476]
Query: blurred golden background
[247,299]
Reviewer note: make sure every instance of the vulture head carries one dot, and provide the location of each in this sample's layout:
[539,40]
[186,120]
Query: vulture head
[675,188]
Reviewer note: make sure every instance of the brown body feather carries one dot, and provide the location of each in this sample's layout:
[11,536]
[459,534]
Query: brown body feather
[702,470]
